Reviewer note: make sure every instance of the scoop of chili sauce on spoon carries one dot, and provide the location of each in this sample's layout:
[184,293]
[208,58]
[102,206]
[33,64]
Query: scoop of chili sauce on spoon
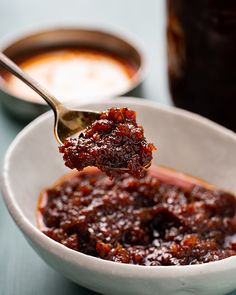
[114,143]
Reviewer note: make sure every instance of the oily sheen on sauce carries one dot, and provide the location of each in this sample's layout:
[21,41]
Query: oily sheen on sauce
[163,218]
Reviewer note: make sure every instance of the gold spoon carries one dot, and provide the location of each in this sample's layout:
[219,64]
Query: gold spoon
[68,122]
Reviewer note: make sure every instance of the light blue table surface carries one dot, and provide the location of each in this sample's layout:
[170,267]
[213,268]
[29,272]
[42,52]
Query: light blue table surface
[22,272]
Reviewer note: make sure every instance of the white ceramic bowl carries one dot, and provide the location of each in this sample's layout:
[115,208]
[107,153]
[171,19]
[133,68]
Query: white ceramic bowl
[185,141]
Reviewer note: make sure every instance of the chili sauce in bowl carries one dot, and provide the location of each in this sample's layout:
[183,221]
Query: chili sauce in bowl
[186,142]
[164,218]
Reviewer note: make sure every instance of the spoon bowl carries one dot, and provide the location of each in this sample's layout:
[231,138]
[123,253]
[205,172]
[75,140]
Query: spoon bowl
[69,122]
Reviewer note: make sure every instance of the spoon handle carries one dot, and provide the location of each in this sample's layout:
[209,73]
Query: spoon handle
[10,66]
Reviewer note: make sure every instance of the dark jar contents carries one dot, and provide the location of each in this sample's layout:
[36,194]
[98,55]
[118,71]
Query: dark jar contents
[201,57]
[161,219]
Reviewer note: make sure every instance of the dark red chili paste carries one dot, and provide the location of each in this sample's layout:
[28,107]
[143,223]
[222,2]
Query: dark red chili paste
[156,220]
[113,142]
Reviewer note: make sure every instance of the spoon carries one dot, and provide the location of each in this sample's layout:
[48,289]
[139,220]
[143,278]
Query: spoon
[68,121]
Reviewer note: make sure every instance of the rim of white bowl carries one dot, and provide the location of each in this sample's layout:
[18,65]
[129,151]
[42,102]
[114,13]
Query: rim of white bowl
[91,262]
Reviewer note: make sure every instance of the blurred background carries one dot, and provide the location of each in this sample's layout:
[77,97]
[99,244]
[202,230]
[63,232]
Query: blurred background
[201,49]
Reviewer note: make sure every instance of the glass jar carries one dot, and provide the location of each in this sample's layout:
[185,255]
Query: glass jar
[201,38]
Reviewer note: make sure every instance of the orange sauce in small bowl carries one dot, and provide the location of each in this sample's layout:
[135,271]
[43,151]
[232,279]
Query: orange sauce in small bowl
[73,74]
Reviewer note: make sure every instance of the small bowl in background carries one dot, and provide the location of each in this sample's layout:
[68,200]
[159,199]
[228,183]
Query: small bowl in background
[22,107]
